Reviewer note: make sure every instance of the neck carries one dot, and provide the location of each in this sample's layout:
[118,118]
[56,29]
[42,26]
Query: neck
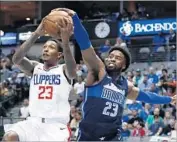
[114,74]
[48,65]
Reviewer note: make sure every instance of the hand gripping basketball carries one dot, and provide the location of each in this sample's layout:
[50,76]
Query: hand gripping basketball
[56,20]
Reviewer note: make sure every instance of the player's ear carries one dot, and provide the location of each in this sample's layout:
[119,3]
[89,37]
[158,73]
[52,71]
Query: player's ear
[60,55]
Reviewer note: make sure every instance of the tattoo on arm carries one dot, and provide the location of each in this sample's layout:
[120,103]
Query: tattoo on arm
[69,62]
[19,57]
[27,66]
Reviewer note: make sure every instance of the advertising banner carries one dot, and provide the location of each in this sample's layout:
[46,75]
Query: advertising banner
[146,27]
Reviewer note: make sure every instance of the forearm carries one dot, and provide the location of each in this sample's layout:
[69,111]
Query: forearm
[69,61]
[85,45]
[152,98]
[80,34]
[24,48]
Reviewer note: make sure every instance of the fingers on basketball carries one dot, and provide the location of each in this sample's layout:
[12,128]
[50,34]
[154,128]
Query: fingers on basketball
[55,21]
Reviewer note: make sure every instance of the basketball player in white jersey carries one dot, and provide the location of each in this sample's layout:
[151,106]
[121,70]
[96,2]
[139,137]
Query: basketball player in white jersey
[49,90]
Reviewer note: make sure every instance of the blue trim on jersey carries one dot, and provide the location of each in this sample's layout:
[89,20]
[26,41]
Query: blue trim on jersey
[83,113]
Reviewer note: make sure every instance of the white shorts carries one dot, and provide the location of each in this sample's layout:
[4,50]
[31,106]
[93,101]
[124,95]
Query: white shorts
[35,130]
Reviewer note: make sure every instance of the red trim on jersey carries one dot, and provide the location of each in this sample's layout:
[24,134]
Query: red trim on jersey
[70,133]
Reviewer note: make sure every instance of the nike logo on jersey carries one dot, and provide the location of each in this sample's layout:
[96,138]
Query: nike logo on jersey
[46,79]
[62,128]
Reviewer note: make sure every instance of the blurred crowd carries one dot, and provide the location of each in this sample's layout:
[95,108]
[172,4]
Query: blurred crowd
[95,12]
[139,119]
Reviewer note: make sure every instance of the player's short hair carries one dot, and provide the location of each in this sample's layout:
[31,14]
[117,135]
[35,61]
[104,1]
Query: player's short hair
[126,53]
[165,70]
[59,44]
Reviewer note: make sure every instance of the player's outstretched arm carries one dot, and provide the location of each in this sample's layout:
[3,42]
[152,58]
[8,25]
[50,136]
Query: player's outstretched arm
[70,63]
[19,58]
[92,61]
[135,93]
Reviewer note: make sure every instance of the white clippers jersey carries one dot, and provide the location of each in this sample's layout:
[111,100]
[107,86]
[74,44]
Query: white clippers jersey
[49,93]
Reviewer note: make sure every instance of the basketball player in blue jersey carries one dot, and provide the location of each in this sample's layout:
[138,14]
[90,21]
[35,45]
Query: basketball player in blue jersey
[106,90]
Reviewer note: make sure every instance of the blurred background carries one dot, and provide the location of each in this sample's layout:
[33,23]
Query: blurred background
[146,28]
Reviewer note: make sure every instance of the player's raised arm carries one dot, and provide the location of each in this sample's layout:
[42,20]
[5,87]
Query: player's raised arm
[19,58]
[92,61]
[70,63]
[82,38]
[135,93]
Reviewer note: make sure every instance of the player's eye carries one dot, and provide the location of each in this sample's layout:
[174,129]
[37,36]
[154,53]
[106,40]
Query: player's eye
[110,56]
[118,57]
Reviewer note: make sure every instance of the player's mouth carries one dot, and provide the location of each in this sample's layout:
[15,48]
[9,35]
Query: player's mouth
[111,65]
[45,55]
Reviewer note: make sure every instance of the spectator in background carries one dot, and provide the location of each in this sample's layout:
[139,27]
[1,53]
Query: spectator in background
[125,131]
[125,15]
[74,125]
[134,118]
[76,119]
[141,11]
[125,39]
[79,86]
[138,78]
[5,70]
[135,106]
[103,50]
[72,113]
[145,85]
[11,55]
[156,127]
[79,70]
[171,108]
[161,110]
[171,37]
[164,79]
[151,118]
[174,75]
[120,43]
[2,111]
[2,55]
[130,76]
[158,41]
[139,131]
[159,71]
[145,112]
[24,110]
[4,89]
[168,116]
[135,15]
[153,79]
[24,84]
[84,68]
[168,128]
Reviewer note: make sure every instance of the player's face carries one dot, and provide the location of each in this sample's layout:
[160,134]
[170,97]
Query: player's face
[50,51]
[115,61]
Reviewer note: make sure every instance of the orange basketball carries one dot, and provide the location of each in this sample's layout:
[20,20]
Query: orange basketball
[56,20]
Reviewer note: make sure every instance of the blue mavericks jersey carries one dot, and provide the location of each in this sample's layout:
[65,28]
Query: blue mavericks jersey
[103,106]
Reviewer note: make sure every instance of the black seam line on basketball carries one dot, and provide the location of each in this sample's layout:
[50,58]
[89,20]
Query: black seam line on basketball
[54,22]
